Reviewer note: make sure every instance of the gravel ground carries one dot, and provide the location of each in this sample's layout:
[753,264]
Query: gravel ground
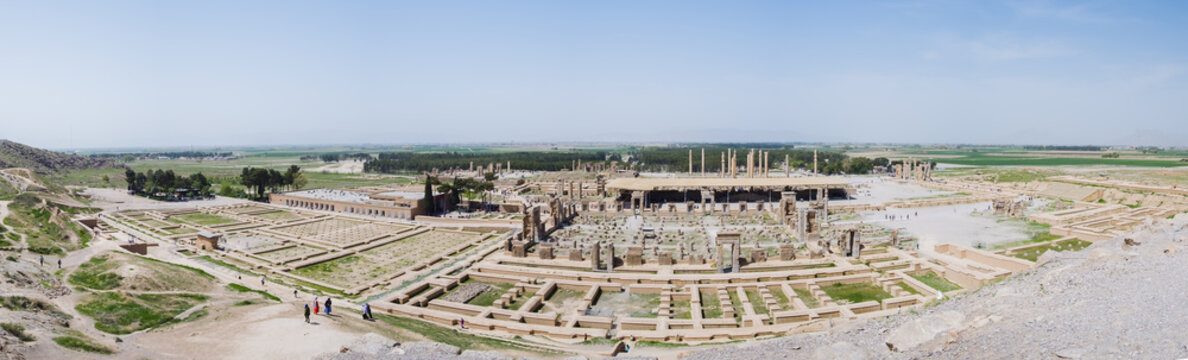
[1110,301]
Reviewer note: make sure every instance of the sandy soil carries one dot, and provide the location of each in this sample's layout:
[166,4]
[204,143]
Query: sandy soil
[341,167]
[954,224]
[117,199]
[274,331]
[877,190]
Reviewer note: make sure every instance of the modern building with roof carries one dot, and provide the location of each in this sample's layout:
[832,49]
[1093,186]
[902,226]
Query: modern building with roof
[386,203]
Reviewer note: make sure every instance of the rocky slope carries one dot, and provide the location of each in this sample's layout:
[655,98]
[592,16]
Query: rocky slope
[14,154]
[1114,300]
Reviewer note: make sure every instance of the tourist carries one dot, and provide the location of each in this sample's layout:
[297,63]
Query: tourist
[462,322]
[59,263]
[306,313]
[315,305]
[261,281]
[294,293]
[327,306]
[367,312]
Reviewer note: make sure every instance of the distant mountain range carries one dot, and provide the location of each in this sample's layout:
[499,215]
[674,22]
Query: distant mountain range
[13,154]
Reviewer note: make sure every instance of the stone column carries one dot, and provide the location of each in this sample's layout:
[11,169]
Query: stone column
[787,166]
[610,257]
[734,254]
[814,162]
[751,163]
[690,161]
[595,255]
[766,163]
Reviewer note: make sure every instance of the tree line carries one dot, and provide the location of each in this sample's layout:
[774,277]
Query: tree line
[164,184]
[171,154]
[1064,147]
[258,180]
[336,157]
[395,162]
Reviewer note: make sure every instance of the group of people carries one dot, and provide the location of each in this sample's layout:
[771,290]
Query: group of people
[329,305]
[316,309]
[42,260]
[892,217]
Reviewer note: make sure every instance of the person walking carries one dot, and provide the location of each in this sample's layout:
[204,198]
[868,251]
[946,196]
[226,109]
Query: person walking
[365,311]
[327,306]
[294,293]
[316,305]
[42,260]
[306,313]
[59,264]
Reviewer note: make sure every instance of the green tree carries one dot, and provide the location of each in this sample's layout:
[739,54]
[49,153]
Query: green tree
[299,181]
[427,203]
[880,161]
[130,177]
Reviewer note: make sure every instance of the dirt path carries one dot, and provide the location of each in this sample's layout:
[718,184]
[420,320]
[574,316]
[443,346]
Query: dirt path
[275,331]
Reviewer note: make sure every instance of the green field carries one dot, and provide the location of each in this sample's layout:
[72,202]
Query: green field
[245,289]
[855,293]
[807,298]
[1032,254]
[936,282]
[79,342]
[449,336]
[1038,159]
[122,313]
[907,288]
[204,219]
[711,307]
[101,273]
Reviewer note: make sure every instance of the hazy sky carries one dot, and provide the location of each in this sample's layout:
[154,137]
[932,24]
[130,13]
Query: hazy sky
[194,73]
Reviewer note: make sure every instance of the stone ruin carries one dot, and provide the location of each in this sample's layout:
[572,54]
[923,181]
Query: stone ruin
[1009,208]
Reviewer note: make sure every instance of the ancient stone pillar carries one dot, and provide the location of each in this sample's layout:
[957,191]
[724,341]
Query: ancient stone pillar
[610,256]
[814,162]
[787,166]
[519,249]
[635,255]
[734,255]
[596,255]
[787,252]
[758,255]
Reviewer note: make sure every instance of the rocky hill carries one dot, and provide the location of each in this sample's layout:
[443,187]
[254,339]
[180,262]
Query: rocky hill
[43,161]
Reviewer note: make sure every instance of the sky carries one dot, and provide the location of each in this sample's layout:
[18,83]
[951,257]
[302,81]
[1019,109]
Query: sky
[91,74]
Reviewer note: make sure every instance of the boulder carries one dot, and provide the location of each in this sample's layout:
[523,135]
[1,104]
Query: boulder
[935,329]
